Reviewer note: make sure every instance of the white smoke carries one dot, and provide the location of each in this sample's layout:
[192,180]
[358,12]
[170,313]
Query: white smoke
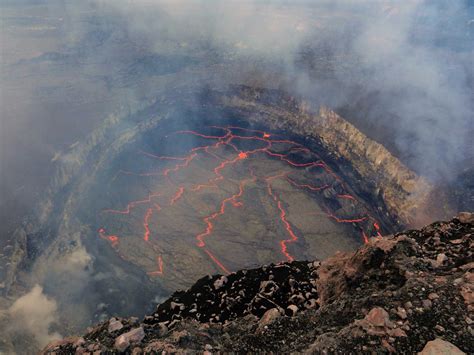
[425,83]
[33,314]
[403,53]
[406,60]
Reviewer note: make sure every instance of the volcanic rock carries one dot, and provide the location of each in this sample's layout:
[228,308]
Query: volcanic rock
[466,217]
[385,297]
[292,310]
[132,337]
[269,317]
[401,313]
[378,317]
[114,325]
[440,347]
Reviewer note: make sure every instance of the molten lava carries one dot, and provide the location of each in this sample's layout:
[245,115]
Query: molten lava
[233,139]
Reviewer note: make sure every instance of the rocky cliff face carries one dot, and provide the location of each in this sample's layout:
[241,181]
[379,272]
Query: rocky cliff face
[400,294]
[404,193]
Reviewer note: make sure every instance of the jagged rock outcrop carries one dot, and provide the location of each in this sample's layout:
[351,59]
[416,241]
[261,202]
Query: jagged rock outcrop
[406,293]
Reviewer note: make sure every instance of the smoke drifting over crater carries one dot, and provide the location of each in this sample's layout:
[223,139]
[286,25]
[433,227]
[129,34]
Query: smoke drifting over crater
[400,71]
[32,315]
[406,66]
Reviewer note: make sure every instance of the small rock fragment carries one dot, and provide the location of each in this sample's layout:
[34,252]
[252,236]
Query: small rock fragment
[269,317]
[402,313]
[221,281]
[291,310]
[132,337]
[378,317]
[466,217]
[387,346]
[397,332]
[441,259]
[440,347]
[114,325]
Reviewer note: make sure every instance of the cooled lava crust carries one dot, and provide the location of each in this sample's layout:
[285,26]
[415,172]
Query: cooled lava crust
[233,195]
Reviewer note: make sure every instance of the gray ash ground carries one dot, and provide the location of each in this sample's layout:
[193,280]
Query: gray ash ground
[394,295]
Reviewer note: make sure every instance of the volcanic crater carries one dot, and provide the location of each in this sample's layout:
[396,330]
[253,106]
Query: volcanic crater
[158,200]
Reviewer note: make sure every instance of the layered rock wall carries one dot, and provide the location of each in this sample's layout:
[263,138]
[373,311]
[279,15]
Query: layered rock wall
[404,193]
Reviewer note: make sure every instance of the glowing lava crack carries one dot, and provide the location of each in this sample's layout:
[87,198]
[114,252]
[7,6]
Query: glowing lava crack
[230,155]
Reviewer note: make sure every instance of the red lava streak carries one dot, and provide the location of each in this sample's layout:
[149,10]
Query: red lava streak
[113,239]
[289,229]
[292,234]
[217,262]
[132,205]
[208,220]
[146,236]
[177,195]
[377,229]
[264,144]
[160,267]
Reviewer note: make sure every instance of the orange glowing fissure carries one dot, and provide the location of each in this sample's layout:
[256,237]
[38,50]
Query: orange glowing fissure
[235,199]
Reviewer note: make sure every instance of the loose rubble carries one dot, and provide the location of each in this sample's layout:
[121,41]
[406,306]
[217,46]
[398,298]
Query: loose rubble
[408,293]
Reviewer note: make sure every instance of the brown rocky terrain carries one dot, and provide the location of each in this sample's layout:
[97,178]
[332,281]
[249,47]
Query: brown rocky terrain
[405,293]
